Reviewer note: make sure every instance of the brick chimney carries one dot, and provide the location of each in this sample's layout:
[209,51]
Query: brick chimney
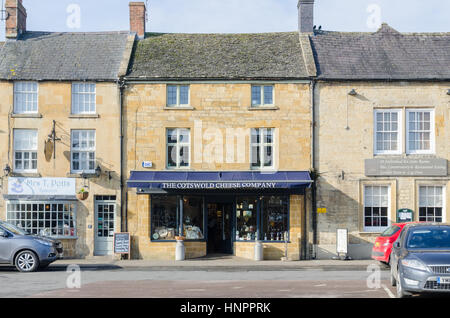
[137,18]
[16,23]
[305,16]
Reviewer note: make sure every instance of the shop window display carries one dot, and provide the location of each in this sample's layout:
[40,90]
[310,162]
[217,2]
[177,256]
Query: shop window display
[193,218]
[246,219]
[164,217]
[274,218]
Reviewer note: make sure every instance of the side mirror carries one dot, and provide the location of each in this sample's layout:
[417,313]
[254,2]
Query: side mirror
[3,233]
[397,244]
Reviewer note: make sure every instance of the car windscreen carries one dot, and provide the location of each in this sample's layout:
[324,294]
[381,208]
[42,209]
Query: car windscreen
[13,229]
[429,238]
[390,231]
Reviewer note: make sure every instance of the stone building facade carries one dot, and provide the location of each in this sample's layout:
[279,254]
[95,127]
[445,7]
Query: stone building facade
[61,116]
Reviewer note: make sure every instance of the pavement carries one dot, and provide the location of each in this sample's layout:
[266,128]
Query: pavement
[218,263]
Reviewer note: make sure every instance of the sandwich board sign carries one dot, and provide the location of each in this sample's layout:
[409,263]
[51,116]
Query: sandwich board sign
[122,243]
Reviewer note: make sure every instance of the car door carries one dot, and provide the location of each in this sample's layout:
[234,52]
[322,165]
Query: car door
[397,251]
[5,248]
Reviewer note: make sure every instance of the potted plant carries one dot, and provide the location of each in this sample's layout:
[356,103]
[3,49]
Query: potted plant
[83,194]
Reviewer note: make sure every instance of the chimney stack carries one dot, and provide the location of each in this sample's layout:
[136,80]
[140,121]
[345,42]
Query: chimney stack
[137,18]
[305,16]
[16,23]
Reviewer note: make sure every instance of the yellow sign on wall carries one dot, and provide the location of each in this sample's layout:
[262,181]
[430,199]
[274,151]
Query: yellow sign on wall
[322,210]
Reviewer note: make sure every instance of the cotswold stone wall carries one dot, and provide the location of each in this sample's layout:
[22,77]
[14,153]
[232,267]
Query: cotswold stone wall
[345,138]
[54,103]
[214,110]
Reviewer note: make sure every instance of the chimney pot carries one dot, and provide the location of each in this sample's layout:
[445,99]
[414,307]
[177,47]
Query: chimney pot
[138,18]
[16,23]
[305,16]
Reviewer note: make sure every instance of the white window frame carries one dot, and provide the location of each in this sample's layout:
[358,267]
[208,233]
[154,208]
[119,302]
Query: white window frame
[444,214]
[178,104]
[23,151]
[75,109]
[432,131]
[262,146]
[376,229]
[26,95]
[30,217]
[87,150]
[178,145]
[399,150]
[262,100]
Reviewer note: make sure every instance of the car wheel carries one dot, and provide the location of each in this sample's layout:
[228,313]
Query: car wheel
[26,262]
[401,293]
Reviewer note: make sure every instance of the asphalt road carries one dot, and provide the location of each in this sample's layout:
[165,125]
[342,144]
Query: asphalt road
[142,283]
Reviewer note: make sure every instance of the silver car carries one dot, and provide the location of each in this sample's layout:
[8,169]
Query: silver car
[26,252]
[420,259]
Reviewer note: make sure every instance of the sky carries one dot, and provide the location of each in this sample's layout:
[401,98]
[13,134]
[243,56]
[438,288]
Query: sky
[236,16]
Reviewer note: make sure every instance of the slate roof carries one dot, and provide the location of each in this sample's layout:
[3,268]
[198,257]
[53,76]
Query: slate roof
[383,55]
[218,56]
[63,56]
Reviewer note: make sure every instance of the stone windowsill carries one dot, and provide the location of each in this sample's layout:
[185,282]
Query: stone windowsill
[79,175]
[26,175]
[179,108]
[84,116]
[263,108]
[37,115]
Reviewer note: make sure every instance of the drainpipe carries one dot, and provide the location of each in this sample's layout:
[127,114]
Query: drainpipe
[124,199]
[313,168]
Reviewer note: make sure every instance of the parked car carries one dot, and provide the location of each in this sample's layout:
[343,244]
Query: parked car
[26,252]
[420,259]
[382,247]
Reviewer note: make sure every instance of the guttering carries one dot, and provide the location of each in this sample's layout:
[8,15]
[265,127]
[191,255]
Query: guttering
[313,167]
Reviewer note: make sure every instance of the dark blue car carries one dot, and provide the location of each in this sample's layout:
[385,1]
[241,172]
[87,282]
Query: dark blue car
[420,259]
[26,252]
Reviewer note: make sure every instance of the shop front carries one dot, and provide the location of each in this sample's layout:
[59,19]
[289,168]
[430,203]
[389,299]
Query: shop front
[222,212]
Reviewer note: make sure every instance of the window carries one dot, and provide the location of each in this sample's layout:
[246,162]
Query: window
[193,220]
[376,208]
[177,95]
[262,148]
[246,218]
[178,148]
[83,98]
[274,218]
[25,150]
[83,151]
[388,132]
[262,95]
[44,218]
[420,131]
[25,97]
[431,203]
[166,216]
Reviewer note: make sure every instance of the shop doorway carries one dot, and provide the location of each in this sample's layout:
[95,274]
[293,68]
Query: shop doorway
[105,215]
[219,228]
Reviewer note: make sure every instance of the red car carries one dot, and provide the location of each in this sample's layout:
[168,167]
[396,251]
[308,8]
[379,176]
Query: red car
[382,248]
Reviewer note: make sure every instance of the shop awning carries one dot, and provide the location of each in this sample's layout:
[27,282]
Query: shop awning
[241,180]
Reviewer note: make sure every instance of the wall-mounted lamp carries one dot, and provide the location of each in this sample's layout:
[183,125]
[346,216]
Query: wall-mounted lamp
[353,92]
[98,171]
[7,170]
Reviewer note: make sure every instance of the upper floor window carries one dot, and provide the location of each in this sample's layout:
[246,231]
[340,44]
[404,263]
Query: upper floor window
[388,131]
[420,131]
[83,98]
[177,95]
[178,148]
[83,151]
[262,95]
[25,97]
[25,150]
[262,148]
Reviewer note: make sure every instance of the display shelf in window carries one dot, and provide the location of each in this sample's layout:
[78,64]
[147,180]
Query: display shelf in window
[246,219]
